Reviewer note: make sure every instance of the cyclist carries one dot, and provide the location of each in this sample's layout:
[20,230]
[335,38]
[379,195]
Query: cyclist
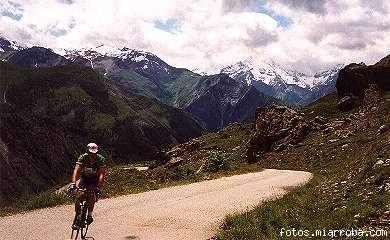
[90,167]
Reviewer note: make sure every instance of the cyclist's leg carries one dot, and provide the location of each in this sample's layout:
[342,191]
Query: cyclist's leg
[91,197]
[77,202]
[80,184]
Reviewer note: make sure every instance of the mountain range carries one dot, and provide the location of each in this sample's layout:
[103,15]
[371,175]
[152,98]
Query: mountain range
[269,78]
[139,72]
[144,73]
[292,87]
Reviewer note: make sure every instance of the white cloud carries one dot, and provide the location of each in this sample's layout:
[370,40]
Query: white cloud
[210,33]
[338,31]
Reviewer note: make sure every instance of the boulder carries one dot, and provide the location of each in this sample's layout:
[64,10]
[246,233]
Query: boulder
[347,103]
[320,120]
[275,128]
[383,128]
[328,130]
[174,162]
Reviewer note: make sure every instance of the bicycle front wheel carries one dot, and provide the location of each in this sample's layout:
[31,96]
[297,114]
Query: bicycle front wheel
[83,222]
[84,231]
[76,221]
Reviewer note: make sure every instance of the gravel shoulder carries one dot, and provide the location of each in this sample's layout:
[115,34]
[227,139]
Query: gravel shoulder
[193,211]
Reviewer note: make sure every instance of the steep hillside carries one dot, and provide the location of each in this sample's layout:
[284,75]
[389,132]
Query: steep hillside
[49,114]
[222,100]
[348,152]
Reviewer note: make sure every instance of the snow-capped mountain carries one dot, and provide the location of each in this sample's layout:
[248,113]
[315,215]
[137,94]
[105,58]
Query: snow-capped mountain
[6,45]
[287,85]
[267,72]
[142,59]
[326,76]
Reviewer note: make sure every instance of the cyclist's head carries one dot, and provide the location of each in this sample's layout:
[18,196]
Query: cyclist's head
[92,147]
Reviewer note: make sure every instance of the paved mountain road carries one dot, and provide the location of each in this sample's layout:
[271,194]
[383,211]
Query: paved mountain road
[192,211]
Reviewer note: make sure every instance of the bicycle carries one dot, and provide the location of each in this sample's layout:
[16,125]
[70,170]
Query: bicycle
[80,219]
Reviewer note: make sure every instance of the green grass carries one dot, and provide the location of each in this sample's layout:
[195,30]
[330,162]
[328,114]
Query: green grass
[304,208]
[325,107]
[35,201]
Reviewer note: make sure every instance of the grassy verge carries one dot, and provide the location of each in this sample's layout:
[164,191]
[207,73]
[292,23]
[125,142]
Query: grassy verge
[350,188]
[210,156]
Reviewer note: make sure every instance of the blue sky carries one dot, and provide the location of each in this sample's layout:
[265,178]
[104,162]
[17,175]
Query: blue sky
[68,1]
[58,32]
[260,6]
[169,25]
[10,14]
[12,10]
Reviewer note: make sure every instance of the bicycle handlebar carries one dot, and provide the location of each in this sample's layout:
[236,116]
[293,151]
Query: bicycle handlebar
[86,190]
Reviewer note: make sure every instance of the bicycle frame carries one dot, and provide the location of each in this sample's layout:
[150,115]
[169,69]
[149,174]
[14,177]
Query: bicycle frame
[81,216]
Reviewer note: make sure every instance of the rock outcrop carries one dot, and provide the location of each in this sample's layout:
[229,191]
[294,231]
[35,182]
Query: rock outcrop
[275,128]
[355,80]
[384,62]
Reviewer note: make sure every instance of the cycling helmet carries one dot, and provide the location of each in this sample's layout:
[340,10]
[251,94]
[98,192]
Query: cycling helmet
[92,147]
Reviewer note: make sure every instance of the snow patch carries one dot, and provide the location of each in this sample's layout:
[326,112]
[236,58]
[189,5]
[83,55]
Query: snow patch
[139,58]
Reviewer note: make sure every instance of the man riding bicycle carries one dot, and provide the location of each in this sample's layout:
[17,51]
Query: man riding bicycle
[90,167]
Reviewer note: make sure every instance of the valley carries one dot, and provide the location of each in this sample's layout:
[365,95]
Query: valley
[191,127]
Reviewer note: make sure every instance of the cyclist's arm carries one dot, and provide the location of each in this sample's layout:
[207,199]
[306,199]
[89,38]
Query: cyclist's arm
[101,174]
[76,173]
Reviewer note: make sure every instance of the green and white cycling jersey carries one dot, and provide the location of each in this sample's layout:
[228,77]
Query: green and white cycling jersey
[90,168]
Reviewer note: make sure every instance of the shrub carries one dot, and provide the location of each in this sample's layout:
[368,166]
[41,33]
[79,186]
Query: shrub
[216,161]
